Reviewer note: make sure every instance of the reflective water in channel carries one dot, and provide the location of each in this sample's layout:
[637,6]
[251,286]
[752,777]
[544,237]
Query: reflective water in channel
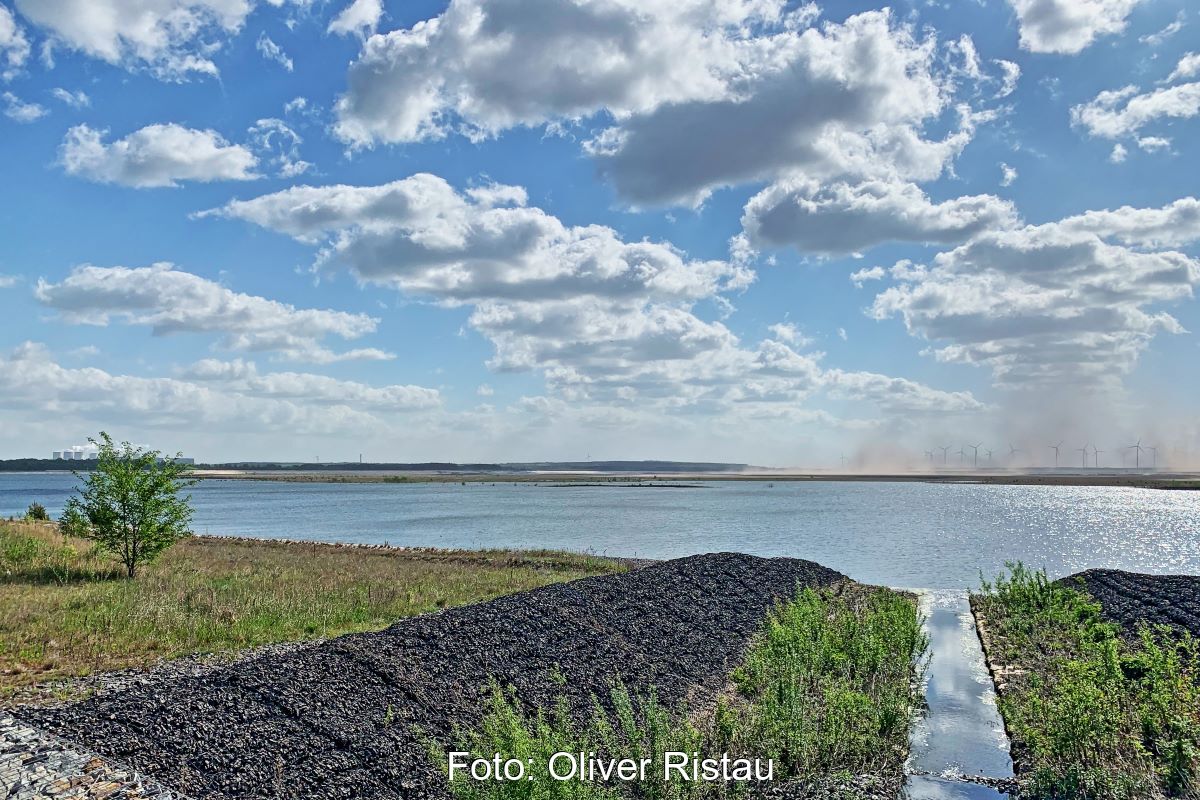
[961,733]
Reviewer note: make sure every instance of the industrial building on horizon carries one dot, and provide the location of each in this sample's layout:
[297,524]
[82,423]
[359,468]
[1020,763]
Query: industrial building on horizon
[78,452]
[87,452]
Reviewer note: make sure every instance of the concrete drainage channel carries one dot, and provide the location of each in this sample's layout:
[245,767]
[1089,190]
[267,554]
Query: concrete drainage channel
[959,748]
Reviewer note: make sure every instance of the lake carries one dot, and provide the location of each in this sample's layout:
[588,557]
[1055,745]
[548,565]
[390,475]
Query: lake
[899,534]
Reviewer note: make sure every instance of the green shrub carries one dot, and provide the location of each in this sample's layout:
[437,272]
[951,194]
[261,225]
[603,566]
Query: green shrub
[131,504]
[36,513]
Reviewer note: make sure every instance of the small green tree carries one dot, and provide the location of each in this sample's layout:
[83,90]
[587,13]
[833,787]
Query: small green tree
[130,504]
[37,513]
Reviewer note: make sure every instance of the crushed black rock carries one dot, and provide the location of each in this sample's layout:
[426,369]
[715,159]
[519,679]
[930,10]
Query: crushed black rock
[1129,598]
[64,691]
[353,717]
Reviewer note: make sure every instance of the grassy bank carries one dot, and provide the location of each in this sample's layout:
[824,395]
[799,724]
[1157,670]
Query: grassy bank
[67,610]
[1091,714]
[827,691]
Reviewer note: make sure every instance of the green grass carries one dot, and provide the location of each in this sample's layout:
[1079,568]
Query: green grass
[828,688]
[830,683]
[1094,715]
[66,609]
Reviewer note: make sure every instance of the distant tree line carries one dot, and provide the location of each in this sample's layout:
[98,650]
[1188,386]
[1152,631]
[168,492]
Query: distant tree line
[46,465]
[49,464]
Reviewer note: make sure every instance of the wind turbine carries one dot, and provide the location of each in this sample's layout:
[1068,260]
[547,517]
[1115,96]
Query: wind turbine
[929,455]
[945,453]
[1153,452]
[975,462]
[1083,451]
[1137,453]
[1055,447]
[1096,451]
[1012,451]
[989,456]
[962,456]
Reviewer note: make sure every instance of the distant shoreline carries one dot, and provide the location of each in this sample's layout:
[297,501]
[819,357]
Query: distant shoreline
[607,476]
[1189,481]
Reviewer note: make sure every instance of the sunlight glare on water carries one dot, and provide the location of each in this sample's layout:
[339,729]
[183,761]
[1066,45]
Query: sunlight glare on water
[898,534]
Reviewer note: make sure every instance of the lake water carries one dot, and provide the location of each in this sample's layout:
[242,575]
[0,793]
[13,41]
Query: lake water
[898,534]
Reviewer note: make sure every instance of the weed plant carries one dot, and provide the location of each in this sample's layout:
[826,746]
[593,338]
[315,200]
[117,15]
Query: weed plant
[1095,715]
[829,685]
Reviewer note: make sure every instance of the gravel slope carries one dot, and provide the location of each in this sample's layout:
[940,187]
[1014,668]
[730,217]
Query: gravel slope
[316,722]
[1128,598]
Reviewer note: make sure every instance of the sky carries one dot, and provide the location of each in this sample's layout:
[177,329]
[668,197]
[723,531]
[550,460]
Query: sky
[510,230]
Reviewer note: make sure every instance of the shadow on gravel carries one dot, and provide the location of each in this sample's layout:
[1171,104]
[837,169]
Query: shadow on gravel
[353,717]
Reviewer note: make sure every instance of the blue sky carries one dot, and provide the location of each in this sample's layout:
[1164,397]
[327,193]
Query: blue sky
[735,230]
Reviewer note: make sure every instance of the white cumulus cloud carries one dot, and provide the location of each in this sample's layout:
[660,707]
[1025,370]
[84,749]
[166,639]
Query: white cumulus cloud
[14,46]
[422,235]
[173,39]
[360,17]
[847,99]
[502,63]
[687,85]
[19,110]
[1068,26]
[165,35]
[1114,114]
[1072,302]
[839,218]
[1188,67]
[155,156]
[171,301]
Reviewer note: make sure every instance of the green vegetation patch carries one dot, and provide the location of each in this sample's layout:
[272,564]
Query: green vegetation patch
[67,607]
[827,690]
[1091,714]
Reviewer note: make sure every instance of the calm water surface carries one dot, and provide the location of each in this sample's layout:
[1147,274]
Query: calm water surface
[899,534]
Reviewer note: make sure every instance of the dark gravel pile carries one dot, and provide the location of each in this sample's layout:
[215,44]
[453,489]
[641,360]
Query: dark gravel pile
[351,717]
[1128,598]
